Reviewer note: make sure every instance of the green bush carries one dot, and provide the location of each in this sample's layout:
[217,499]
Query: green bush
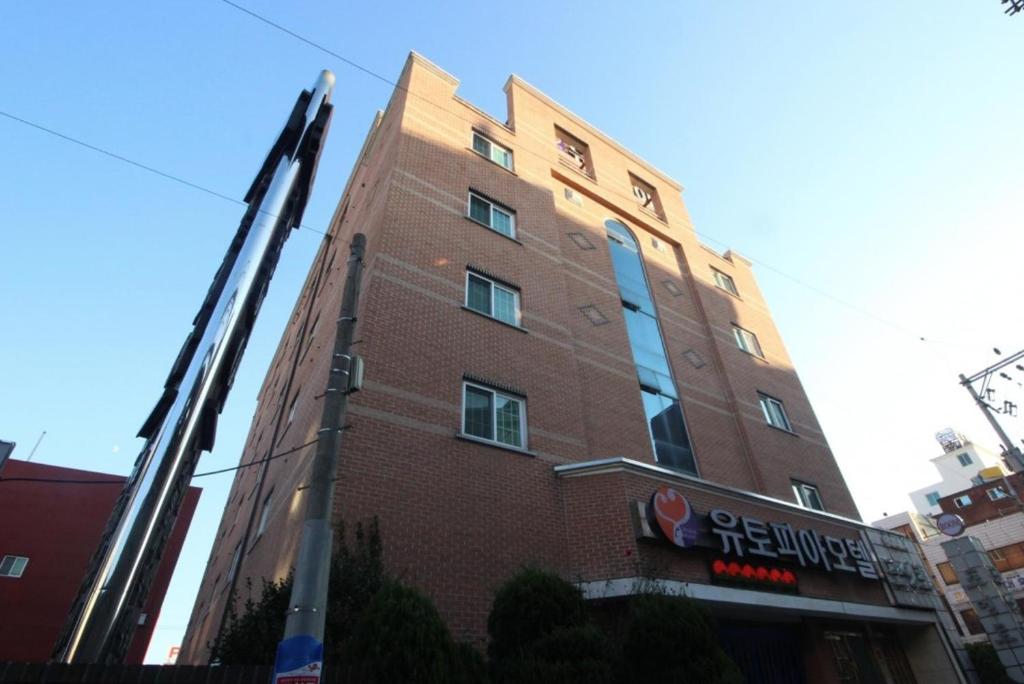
[400,638]
[467,665]
[540,634]
[986,662]
[529,606]
[567,654]
[251,638]
[672,639]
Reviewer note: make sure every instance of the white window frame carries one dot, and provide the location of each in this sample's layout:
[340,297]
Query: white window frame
[961,456]
[291,408]
[999,492]
[802,491]
[767,400]
[962,501]
[494,206]
[494,284]
[747,341]
[15,566]
[236,560]
[261,527]
[928,498]
[494,415]
[724,281]
[491,145]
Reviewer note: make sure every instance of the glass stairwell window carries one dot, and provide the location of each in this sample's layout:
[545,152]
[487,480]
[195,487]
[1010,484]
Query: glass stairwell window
[665,421]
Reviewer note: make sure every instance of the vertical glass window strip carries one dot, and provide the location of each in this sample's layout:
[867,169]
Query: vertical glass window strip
[478,294]
[669,437]
[478,409]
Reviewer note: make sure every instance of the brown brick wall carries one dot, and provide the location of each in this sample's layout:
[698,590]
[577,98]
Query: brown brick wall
[458,517]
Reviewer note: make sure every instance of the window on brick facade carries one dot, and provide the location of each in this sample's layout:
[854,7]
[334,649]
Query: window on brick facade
[997,493]
[491,214]
[264,514]
[965,459]
[962,501]
[312,335]
[747,341]
[13,566]
[647,196]
[490,298]
[724,281]
[932,498]
[807,495]
[493,416]
[291,408]
[774,412]
[574,152]
[484,146]
[234,562]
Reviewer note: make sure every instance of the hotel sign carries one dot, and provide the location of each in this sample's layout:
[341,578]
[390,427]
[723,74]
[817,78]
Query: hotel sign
[748,537]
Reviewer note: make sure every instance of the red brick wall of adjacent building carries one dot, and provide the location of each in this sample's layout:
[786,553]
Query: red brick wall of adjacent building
[458,517]
[58,527]
[988,501]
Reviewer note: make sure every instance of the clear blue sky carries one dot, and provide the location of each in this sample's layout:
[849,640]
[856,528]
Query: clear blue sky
[871,149]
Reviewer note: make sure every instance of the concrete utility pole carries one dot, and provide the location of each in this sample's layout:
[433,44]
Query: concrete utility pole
[300,653]
[106,611]
[1011,451]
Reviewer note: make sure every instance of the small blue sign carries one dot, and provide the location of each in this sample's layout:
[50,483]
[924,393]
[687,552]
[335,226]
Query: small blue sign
[299,660]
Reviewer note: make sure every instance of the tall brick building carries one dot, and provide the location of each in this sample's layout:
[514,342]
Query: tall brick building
[556,370]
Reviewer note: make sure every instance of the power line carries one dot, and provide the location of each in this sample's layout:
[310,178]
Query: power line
[384,79]
[51,480]
[140,165]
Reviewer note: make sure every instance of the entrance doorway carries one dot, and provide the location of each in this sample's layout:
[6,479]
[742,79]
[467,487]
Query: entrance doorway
[765,653]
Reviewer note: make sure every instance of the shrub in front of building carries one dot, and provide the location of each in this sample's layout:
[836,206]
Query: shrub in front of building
[986,663]
[672,639]
[377,629]
[400,637]
[250,637]
[540,632]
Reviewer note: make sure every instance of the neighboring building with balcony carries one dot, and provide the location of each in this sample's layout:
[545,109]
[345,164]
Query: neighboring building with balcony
[958,465]
[558,373]
[989,504]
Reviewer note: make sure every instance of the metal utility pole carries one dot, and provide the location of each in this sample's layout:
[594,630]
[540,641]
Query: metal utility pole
[182,425]
[1010,450]
[300,653]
